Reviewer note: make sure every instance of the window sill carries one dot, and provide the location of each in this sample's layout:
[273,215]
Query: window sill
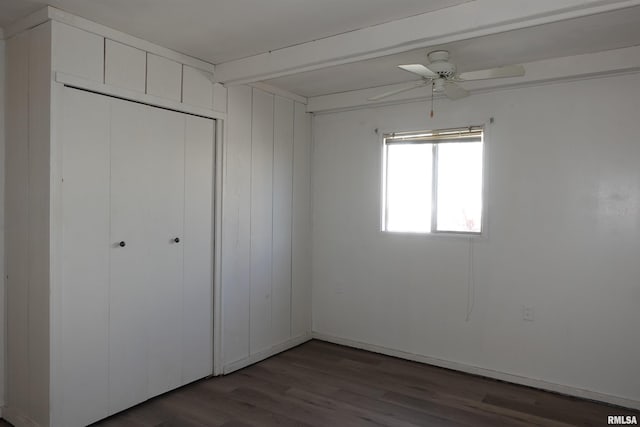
[438,235]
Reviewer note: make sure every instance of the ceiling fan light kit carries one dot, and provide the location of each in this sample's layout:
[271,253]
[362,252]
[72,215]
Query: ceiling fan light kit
[443,76]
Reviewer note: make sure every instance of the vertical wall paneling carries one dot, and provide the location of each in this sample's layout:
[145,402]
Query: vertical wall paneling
[85,257]
[282,205]
[266,266]
[301,239]
[39,191]
[164,77]
[197,317]
[125,66]
[236,210]
[56,315]
[17,225]
[219,98]
[261,219]
[2,223]
[219,138]
[78,52]
[197,88]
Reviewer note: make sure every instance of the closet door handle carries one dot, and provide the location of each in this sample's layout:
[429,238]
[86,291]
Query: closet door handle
[177,240]
[122,244]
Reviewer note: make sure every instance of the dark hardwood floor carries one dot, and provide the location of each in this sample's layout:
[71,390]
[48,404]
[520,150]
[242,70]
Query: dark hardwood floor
[322,384]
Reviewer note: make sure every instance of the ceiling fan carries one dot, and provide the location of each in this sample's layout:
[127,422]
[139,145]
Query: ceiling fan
[443,77]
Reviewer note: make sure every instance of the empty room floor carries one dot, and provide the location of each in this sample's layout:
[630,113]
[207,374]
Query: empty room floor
[322,384]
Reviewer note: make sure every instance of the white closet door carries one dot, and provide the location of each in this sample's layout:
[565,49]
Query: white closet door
[165,241]
[197,326]
[85,258]
[137,301]
[132,154]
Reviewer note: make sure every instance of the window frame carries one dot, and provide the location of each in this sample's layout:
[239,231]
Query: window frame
[483,128]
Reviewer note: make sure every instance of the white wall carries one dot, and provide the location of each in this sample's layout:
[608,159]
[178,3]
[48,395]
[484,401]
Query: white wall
[563,237]
[2,283]
[266,276]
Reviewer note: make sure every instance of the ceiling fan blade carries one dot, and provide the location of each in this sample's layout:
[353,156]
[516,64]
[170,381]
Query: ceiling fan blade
[420,70]
[453,91]
[397,91]
[493,73]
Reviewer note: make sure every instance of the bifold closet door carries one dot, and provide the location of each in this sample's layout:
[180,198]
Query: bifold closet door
[130,305]
[147,219]
[137,254]
[165,240]
[197,301]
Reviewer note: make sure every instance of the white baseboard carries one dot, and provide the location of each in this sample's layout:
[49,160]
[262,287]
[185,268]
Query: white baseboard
[489,373]
[17,418]
[254,358]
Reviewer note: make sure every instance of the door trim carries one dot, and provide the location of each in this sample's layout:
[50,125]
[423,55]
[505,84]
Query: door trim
[130,95]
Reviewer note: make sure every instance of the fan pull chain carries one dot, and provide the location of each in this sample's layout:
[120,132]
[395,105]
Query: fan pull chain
[432,84]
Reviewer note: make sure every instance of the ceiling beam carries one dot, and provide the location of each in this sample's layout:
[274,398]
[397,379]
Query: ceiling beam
[279,92]
[569,68]
[468,20]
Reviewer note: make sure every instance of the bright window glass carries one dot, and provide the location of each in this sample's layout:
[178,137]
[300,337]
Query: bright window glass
[408,183]
[459,187]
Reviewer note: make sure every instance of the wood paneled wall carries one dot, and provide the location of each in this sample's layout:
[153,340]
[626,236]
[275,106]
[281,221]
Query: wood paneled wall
[266,287]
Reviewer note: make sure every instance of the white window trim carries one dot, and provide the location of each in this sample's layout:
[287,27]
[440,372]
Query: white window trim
[483,234]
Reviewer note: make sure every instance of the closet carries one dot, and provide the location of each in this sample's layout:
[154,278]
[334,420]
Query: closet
[110,222]
[136,251]
[158,225]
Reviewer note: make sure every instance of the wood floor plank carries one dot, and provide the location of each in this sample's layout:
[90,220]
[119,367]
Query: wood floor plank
[321,384]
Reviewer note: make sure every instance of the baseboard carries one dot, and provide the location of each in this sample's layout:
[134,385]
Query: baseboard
[17,418]
[489,373]
[273,350]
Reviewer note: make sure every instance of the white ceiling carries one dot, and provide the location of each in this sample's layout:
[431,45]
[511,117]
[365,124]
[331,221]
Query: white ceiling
[593,33]
[11,10]
[223,30]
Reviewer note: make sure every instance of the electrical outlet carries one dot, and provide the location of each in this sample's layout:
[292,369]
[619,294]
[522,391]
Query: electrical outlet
[527,313]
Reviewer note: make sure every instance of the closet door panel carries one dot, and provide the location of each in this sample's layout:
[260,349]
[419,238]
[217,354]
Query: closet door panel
[130,306]
[165,223]
[85,258]
[197,327]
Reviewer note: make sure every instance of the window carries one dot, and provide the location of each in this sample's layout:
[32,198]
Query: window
[432,181]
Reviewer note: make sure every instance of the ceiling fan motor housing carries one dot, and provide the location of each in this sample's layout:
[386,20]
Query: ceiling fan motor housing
[439,64]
